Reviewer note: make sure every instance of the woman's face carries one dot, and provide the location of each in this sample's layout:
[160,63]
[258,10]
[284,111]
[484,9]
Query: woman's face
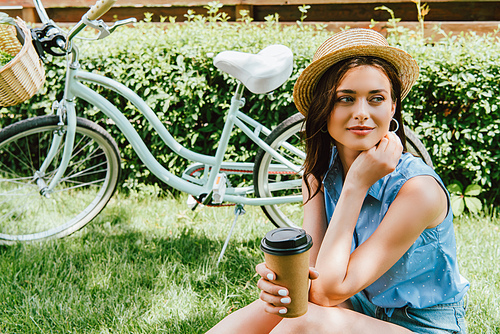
[363,109]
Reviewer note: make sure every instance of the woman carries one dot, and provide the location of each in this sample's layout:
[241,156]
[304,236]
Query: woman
[384,257]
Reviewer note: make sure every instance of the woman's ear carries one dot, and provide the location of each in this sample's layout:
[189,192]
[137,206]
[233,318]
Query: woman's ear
[393,109]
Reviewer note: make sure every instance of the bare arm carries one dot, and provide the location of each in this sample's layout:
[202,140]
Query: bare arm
[343,274]
[315,223]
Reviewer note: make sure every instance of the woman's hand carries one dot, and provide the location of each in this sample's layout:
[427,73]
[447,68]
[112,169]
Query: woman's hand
[375,163]
[274,295]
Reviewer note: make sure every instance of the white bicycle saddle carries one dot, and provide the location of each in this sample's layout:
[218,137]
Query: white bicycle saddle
[262,72]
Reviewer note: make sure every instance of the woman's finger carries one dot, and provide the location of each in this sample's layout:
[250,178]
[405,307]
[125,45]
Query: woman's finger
[277,301]
[269,308]
[382,145]
[313,273]
[395,146]
[265,272]
[272,289]
[274,304]
[393,139]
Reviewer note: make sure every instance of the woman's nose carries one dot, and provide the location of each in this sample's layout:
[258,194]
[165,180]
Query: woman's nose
[361,111]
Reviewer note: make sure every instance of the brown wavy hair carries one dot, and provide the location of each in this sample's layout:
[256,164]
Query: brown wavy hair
[318,142]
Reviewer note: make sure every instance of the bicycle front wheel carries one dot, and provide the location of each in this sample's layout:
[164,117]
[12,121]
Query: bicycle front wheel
[86,187]
[274,179]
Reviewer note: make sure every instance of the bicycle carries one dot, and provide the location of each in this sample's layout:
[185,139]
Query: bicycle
[67,168]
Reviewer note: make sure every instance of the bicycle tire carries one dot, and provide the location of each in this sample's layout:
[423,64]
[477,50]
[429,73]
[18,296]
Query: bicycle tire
[290,128]
[85,188]
[281,215]
[416,147]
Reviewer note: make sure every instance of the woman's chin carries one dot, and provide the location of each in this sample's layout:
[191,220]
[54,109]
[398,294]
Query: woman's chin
[362,146]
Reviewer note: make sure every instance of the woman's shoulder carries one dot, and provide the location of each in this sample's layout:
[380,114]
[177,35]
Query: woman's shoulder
[410,166]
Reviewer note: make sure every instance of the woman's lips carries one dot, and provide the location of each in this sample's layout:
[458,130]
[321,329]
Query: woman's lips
[360,130]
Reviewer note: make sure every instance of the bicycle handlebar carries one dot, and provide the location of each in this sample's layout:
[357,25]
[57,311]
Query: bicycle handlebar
[99,9]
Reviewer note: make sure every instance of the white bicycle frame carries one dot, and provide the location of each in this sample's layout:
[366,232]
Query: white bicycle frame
[74,88]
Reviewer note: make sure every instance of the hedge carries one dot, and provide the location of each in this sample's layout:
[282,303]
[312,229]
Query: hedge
[452,106]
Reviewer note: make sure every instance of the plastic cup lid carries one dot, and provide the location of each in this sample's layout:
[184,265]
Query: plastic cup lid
[286,241]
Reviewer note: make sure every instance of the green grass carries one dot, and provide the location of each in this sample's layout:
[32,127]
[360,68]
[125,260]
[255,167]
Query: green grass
[478,243]
[149,266]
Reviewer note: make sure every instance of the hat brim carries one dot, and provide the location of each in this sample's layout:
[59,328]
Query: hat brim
[304,87]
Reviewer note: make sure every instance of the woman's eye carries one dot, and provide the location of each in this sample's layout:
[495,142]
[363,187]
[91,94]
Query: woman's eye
[378,99]
[345,99]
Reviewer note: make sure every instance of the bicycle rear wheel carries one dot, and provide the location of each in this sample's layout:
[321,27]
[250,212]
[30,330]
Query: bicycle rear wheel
[87,185]
[416,147]
[273,179]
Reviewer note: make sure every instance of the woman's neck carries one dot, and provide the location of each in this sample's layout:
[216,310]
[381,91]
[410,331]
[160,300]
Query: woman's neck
[347,157]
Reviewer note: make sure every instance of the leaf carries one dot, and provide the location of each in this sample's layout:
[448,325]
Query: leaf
[457,205]
[473,190]
[383,8]
[455,188]
[473,204]
[6,19]
[193,138]
[444,83]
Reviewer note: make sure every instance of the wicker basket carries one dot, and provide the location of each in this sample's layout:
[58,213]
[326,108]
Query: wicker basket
[23,76]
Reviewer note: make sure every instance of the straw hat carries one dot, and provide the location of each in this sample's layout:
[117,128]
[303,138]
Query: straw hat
[347,44]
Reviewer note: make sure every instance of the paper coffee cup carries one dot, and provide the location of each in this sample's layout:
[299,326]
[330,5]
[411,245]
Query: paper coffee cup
[286,251]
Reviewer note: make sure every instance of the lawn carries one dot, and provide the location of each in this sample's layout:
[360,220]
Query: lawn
[148,265]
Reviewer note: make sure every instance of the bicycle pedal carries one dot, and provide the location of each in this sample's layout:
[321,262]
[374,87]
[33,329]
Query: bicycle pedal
[219,188]
[191,202]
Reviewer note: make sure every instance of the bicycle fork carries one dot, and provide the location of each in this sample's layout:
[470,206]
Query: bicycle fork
[67,114]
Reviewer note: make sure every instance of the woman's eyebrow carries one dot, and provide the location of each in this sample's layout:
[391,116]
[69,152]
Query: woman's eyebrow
[350,91]
[375,91]
[346,91]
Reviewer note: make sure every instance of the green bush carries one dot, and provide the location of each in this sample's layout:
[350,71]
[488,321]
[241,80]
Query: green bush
[452,107]
[170,67]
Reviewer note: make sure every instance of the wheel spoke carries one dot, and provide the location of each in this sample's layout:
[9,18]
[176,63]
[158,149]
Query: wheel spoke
[86,186]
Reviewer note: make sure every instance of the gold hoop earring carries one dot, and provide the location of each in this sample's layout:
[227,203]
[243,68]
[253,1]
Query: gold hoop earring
[324,129]
[397,124]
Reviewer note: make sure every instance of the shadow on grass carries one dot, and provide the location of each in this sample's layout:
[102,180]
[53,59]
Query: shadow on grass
[130,281]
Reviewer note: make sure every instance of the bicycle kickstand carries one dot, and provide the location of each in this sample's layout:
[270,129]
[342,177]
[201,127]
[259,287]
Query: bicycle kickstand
[238,210]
